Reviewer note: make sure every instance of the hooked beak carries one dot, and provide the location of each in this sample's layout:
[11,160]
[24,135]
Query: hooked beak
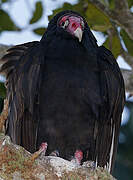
[78,33]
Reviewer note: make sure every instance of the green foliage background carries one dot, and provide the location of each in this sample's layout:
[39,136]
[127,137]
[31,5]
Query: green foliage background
[97,21]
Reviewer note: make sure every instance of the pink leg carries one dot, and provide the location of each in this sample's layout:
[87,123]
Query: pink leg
[78,156]
[43,148]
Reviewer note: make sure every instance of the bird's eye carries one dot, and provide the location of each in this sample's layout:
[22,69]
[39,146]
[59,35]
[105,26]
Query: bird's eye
[62,24]
[65,24]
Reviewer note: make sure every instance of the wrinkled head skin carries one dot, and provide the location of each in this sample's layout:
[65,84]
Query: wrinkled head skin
[70,25]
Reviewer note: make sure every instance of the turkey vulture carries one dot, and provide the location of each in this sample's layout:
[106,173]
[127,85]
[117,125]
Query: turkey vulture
[65,90]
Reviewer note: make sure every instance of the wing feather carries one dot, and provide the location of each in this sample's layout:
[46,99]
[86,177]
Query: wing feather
[21,65]
[113,96]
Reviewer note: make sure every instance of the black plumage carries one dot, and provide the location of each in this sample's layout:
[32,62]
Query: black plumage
[67,93]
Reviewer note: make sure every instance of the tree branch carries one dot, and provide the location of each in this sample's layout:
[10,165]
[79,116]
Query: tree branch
[128,79]
[128,58]
[121,5]
[122,17]
[17,163]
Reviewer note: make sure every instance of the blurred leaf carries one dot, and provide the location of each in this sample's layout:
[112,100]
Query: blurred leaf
[111,4]
[77,7]
[40,31]
[2,90]
[128,42]
[3,1]
[97,19]
[130,3]
[65,6]
[6,23]
[37,13]
[115,45]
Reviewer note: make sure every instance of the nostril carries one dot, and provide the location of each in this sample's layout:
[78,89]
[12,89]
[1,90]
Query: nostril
[73,25]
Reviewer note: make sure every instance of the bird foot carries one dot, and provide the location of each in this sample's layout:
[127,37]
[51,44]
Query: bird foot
[78,156]
[55,153]
[42,149]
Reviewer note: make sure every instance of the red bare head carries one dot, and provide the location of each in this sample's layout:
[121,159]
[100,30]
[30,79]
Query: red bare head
[73,24]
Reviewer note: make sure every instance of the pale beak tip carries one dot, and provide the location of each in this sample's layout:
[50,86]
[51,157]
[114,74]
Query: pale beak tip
[78,33]
[80,39]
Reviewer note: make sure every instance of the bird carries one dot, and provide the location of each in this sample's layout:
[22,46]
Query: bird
[65,90]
